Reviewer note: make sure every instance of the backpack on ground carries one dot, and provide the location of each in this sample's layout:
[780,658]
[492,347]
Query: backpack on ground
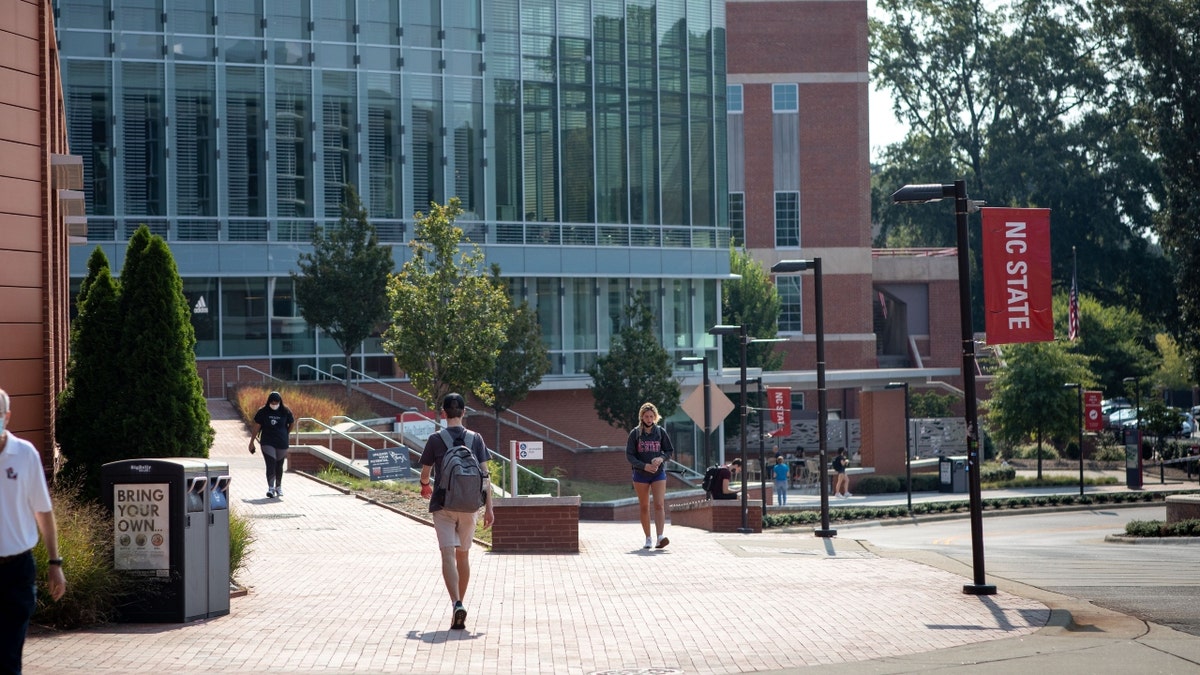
[710,477]
[461,482]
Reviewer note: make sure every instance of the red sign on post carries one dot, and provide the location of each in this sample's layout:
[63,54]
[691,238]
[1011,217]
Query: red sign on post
[1016,275]
[1093,419]
[779,400]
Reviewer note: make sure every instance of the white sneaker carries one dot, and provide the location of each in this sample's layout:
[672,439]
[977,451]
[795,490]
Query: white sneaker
[844,494]
[649,543]
[271,492]
[279,491]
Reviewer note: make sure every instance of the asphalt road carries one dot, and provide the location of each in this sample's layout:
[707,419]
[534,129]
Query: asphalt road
[1065,552]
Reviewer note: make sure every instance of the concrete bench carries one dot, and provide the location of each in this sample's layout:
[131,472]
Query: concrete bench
[1183,507]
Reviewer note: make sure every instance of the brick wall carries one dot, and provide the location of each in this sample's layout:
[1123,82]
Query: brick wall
[717,516]
[536,525]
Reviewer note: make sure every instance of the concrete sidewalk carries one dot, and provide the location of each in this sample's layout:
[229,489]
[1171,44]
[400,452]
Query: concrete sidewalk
[337,584]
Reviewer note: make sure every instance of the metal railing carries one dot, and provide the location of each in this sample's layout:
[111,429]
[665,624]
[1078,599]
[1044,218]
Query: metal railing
[365,428]
[304,366]
[521,421]
[507,471]
[391,388]
[330,431]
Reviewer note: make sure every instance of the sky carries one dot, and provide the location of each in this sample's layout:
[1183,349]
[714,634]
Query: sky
[884,128]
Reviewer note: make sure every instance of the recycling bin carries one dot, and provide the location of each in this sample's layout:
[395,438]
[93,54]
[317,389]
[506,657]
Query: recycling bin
[952,474]
[168,537]
[217,522]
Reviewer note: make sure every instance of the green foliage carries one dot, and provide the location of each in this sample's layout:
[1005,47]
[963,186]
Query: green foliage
[1155,44]
[929,404]
[751,301]
[637,369]
[85,538]
[991,473]
[1028,398]
[160,396]
[1158,528]
[878,484]
[841,513]
[1032,451]
[241,542]
[522,362]
[1175,369]
[448,318]
[1031,115]
[1115,339]
[85,427]
[132,386]
[341,286]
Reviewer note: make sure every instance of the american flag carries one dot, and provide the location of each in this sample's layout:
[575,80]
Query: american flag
[1073,310]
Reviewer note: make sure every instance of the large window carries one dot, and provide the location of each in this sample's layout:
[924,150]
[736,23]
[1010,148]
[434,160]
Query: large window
[791,319]
[737,218]
[244,316]
[787,219]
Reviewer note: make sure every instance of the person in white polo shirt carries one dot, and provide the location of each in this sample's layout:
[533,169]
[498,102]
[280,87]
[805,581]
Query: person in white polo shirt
[25,510]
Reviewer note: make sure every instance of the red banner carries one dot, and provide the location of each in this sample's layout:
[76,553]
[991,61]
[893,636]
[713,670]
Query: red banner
[779,400]
[1016,275]
[1093,420]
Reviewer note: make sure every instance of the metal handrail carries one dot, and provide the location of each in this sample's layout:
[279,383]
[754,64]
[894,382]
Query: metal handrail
[545,431]
[683,469]
[390,387]
[252,368]
[384,436]
[318,371]
[505,461]
[331,431]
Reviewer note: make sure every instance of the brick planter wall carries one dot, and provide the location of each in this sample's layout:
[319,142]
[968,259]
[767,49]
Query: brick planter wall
[536,525]
[627,509]
[1182,507]
[723,515]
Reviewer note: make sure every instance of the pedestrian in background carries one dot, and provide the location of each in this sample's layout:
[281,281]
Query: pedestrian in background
[647,449]
[455,529]
[842,487]
[780,471]
[274,420]
[25,510]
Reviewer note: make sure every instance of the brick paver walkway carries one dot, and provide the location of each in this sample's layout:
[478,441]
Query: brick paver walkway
[337,584]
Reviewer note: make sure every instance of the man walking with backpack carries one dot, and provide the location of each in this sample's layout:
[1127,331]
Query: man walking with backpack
[462,487]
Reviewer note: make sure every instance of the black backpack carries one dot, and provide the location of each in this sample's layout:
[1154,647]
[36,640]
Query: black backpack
[710,477]
[462,483]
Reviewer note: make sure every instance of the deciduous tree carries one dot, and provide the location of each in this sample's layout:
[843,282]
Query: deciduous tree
[341,286]
[637,369]
[448,317]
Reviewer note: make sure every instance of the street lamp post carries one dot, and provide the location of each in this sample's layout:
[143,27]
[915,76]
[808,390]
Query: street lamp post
[1078,387]
[1133,469]
[814,264]
[703,360]
[762,452]
[907,443]
[740,331]
[921,194]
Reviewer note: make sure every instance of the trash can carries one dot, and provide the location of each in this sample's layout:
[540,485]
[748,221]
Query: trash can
[952,474]
[218,537]
[166,536]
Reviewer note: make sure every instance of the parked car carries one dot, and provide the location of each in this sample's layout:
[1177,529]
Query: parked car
[1122,418]
[1187,424]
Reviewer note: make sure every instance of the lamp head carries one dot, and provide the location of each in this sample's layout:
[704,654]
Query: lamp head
[787,266]
[923,193]
[724,329]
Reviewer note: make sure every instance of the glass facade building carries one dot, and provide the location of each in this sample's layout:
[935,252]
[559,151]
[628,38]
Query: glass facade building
[585,139]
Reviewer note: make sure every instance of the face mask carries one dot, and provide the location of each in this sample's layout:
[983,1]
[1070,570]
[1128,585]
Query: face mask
[274,406]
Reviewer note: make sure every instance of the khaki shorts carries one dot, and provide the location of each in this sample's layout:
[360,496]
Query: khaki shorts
[454,529]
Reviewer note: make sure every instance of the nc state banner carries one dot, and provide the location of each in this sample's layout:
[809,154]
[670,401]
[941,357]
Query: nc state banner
[1016,275]
[779,400]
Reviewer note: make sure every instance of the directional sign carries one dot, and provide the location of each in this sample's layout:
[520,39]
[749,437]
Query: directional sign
[529,450]
[720,404]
